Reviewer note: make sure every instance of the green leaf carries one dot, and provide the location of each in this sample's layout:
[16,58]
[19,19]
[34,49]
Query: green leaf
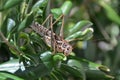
[47,59]
[73,36]
[77,65]
[10,4]
[35,67]
[10,25]
[88,65]
[90,68]
[22,24]
[66,7]
[86,34]
[98,75]
[25,22]
[38,43]
[33,72]
[80,26]
[56,75]
[39,3]
[59,57]
[56,12]
[9,65]
[73,71]
[24,43]
[110,12]
[81,35]
[8,76]
[46,56]
[24,36]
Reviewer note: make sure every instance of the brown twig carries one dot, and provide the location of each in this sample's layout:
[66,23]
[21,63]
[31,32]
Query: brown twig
[8,44]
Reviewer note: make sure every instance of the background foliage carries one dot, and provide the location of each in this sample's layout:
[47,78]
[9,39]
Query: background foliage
[24,55]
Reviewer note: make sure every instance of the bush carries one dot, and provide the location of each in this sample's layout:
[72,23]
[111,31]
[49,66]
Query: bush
[25,54]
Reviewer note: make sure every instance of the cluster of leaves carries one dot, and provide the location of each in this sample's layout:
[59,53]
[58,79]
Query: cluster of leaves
[104,46]
[28,57]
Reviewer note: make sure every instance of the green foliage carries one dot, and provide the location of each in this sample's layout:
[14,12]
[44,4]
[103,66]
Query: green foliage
[28,57]
[9,4]
[109,11]
[5,76]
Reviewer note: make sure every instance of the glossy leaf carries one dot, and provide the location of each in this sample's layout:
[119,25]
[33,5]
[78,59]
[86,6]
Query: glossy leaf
[23,24]
[98,75]
[77,65]
[47,59]
[6,76]
[81,35]
[87,34]
[10,25]
[80,26]
[33,72]
[8,66]
[10,4]
[66,7]
[75,35]
[56,12]
[88,65]
[34,68]
[46,56]
[39,3]
[59,57]
[72,71]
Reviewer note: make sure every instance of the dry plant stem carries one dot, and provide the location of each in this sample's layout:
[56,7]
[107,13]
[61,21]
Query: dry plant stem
[8,44]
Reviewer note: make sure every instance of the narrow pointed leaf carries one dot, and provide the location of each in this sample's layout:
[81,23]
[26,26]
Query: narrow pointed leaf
[76,64]
[10,25]
[22,24]
[81,35]
[110,12]
[80,26]
[10,4]
[8,66]
[56,12]
[72,71]
[66,7]
[9,76]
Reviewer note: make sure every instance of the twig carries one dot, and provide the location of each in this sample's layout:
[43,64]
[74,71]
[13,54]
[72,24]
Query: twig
[8,44]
